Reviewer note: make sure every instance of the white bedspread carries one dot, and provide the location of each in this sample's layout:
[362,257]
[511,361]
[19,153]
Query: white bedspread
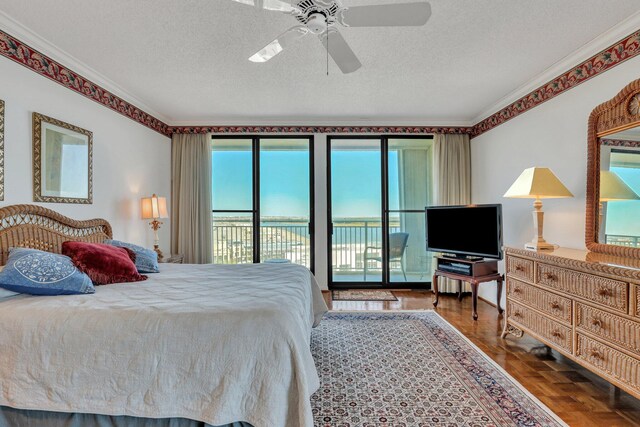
[217,344]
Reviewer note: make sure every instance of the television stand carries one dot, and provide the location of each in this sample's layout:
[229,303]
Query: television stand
[473,272]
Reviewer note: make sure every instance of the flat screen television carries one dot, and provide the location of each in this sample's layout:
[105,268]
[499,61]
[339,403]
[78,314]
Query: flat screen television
[472,230]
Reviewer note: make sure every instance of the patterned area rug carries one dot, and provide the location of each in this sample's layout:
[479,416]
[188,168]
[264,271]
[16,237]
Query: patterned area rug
[412,369]
[363,295]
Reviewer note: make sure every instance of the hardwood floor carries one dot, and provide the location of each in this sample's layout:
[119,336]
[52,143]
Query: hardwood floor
[579,397]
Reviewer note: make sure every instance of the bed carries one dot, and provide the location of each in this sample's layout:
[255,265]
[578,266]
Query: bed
[193,344]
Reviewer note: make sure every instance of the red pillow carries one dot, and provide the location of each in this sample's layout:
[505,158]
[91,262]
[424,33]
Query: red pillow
[104,264]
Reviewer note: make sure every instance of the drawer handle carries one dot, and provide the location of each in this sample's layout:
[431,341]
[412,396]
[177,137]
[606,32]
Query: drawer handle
[556,334]
[517,314]
[596,322]
[555,305]
[596,354]
[549,276]
[604,292]
[517,290]
[519,268]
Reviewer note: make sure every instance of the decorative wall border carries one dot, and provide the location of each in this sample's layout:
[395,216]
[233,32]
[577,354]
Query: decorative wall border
[320,129]
[15,50]
[619,143]
[616,54]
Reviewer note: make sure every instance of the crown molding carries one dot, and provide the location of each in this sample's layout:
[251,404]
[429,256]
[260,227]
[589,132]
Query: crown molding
[35,42]
[595,47]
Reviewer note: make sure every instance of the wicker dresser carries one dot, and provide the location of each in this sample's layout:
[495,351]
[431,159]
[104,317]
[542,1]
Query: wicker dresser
[582,304]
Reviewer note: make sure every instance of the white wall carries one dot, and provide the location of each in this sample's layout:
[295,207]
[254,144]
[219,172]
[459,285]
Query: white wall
[553,135]
[129,160]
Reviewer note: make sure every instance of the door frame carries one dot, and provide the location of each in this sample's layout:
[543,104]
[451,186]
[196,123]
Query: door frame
[385,283]
[255,179]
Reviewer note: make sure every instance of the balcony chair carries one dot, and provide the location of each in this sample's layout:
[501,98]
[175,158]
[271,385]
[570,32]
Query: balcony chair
[397,246]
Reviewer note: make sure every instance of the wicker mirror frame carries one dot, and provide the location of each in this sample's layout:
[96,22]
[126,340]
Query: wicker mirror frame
[618,114]
[38,119]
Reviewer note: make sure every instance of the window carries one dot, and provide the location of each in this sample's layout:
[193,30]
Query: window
[378,190]
[262,200]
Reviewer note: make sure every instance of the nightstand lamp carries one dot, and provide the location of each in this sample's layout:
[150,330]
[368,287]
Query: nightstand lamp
[155,208]
[538,183]
[614,189]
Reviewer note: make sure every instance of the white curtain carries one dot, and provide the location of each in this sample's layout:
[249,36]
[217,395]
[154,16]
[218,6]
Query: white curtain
[452,182]
[191,224]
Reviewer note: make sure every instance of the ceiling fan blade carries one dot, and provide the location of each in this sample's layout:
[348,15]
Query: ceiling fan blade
[340,51]
[277,5]
[386,15]
[284,40]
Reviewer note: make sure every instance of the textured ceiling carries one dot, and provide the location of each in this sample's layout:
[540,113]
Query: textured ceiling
[187,59]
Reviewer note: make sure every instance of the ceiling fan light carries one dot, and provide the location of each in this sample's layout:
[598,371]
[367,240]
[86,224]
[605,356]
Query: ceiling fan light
[268,52]
[277,5]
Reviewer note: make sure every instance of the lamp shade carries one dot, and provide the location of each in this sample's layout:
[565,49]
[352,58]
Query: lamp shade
[538,183]
[154,207]
[613,188]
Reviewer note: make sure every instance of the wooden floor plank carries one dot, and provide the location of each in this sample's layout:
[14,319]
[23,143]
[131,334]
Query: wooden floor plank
[579,397]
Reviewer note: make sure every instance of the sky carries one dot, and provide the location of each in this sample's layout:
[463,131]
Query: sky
[284,183]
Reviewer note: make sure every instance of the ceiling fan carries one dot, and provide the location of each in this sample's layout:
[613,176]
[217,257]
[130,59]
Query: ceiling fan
[321,16]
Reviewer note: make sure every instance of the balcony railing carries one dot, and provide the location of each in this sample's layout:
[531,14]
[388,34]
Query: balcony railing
[351,238]
[279,240]
[288,239]
[620,240]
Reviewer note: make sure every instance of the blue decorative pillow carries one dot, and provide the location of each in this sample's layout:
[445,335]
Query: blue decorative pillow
[146,259]
[29,271]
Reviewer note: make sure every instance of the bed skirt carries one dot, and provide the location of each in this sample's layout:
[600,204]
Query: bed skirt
[10,417]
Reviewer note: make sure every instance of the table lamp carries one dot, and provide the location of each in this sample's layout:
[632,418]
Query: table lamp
[155,208]
[538,183]
[614,189]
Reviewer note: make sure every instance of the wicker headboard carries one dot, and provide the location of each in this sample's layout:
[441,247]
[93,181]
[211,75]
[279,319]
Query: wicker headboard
[30,226]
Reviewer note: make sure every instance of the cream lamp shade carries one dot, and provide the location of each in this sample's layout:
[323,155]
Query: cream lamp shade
[154,208]
[613,188]
[538,183]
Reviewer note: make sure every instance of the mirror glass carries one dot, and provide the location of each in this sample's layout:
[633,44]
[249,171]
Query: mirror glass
[65,163]
[619,195]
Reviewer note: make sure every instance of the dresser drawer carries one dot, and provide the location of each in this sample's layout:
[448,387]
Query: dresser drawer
[615,329]
[610,293]
[547,328]
[554,305]
[520,268]
[609,361]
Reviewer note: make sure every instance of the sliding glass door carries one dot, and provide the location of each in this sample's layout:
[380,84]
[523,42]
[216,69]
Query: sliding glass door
[409,191]
[286,200]
[232,200]
[378,189]
[262,200]
[356,210]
